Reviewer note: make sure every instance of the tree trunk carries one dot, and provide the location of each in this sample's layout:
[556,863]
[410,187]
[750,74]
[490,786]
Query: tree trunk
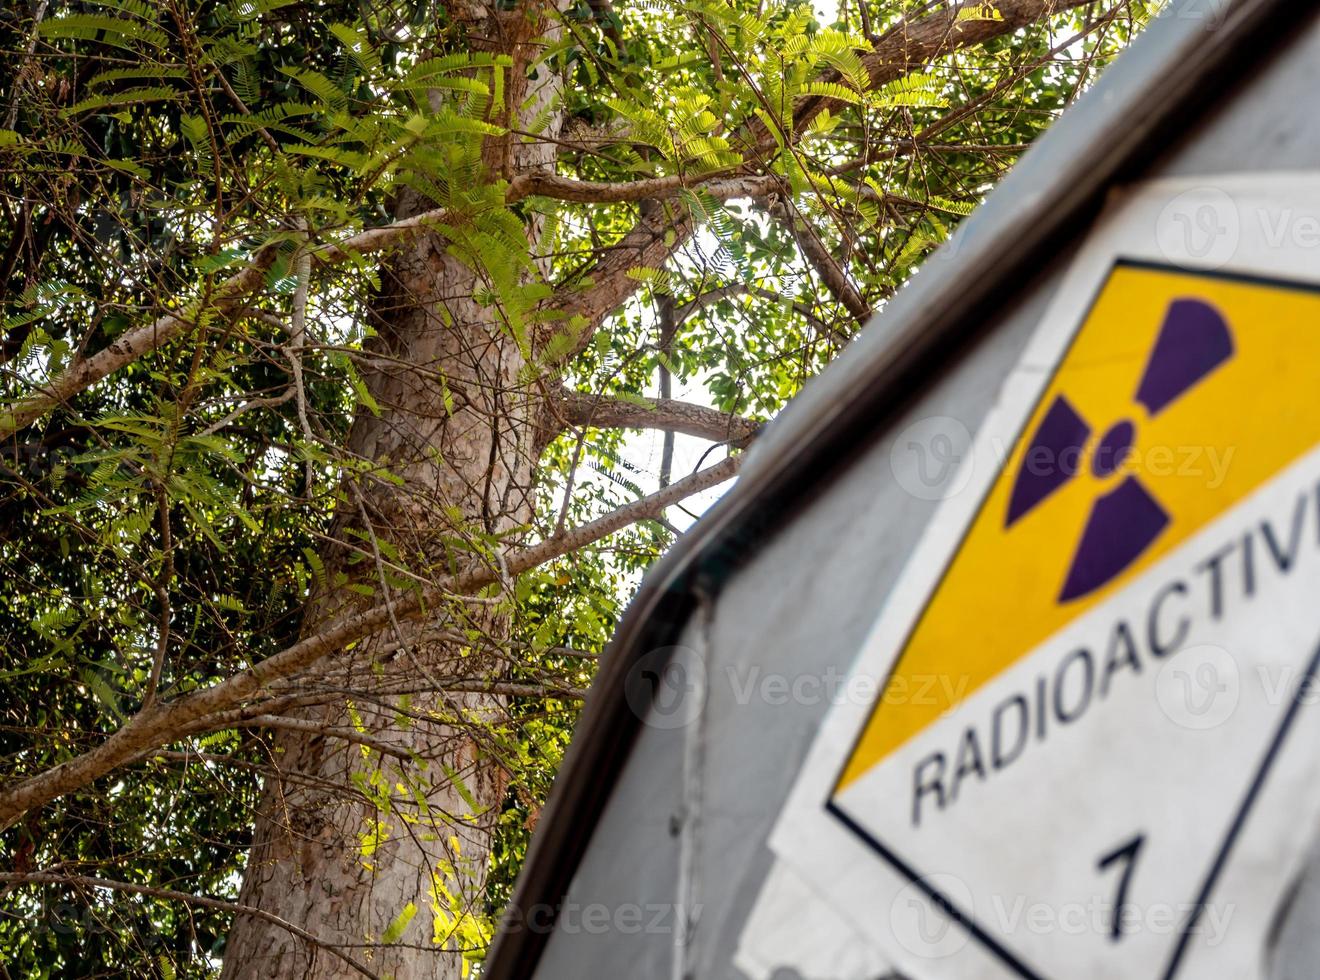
[352,842]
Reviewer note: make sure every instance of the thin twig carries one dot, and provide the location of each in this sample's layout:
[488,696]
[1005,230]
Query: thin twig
[206,901]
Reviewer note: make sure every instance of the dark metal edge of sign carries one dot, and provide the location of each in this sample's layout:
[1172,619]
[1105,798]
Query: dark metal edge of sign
[815,444]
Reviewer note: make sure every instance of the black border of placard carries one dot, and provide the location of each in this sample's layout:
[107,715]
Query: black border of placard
[942,901]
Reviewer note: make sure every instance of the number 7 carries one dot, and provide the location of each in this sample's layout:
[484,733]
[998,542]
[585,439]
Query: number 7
[1128,855]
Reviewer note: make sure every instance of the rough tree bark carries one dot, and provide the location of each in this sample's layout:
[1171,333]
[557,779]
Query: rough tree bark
[353,839]
[382,807]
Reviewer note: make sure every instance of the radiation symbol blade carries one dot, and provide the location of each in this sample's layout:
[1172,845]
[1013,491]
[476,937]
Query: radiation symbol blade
[1193,341]
[1052,461]
[1122,525]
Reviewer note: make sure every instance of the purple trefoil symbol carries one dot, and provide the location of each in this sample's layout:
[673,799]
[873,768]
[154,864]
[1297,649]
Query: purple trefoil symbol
[1194,340]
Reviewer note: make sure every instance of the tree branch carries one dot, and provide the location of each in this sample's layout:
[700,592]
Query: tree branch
[127,348]
[230,295]
[665,414]
[668,330]
[684,312]
[12,878]
[911,45]
[922,140]
[820,259]
[908,46]
[657,235]
[652,240]
[316,728]
[712,296]
[225,299]
[163,722]
[721,188]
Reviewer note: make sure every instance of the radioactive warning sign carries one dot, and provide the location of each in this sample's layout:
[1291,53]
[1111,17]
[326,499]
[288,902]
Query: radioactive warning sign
[1092,744]
[1137,443]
